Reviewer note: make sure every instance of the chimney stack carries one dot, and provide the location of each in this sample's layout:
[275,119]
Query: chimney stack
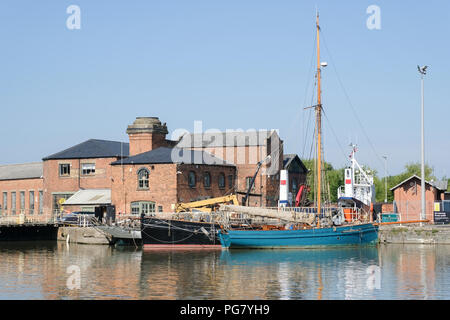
[145,134]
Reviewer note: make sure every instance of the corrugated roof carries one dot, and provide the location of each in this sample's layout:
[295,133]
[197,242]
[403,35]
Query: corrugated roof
[21,171]
[93,148]
[90,197]
[173,155]
[225,139]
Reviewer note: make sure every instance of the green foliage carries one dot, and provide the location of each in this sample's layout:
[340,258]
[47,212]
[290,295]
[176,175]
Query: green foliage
[335,179]
[412,168]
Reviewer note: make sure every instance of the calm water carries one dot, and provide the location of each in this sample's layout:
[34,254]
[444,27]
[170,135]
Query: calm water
[43,271]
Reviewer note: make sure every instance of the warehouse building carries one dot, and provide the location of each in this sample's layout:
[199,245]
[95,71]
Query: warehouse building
[148,174]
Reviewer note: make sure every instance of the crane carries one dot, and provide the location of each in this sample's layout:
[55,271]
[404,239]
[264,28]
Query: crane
[206,205]
[252,182]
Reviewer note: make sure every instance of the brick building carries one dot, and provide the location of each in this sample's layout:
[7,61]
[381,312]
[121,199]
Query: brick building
[21,190]
[408,197]
[150,173]
[297,173]
[158,179]
[83,167]
[245,150]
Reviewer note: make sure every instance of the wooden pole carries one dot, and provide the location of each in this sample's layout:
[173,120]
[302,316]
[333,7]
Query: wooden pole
[319,126]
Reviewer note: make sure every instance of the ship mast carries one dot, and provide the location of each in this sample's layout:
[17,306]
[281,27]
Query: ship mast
[319,127]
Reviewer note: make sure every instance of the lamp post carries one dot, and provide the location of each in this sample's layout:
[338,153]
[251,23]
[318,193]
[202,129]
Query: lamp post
[423,72]
[385,179]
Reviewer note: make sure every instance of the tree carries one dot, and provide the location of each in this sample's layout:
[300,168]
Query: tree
[333,179]
[412,168]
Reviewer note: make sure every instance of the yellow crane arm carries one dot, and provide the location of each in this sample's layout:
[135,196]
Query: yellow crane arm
[203,204]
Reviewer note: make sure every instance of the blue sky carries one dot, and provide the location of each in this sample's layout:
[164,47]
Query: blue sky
[231,64]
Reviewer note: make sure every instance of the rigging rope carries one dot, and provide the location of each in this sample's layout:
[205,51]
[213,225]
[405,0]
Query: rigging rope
[349,101]
[174,227]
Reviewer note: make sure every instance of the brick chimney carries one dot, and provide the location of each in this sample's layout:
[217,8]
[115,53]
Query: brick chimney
[145,134]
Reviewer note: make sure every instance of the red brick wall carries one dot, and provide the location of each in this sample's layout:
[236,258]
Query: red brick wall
[200,192]
[408,199]
[166,186]
[53,182]
[387,207]
[17,186]
[266,189]
[143,142]
[162,186]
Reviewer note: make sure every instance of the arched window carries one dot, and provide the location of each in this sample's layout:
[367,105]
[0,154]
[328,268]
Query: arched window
[191,179]
[143,175]
[221,180]
[230,181]
[207,180]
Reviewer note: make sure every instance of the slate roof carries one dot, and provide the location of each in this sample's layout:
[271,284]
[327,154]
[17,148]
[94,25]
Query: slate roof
[173,155]
[289,158]
[440,185]
[92,148]
[225,139]
[21,171]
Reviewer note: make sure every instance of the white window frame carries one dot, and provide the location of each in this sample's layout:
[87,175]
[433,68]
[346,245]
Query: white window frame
[88,169]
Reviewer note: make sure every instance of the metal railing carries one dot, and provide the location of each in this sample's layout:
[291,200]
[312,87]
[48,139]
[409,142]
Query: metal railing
[309,210]
[78,220]
[409,210]
[341,192]
[22,219]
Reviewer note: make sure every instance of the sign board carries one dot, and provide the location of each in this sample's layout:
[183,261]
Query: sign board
[441,217]
[442,212]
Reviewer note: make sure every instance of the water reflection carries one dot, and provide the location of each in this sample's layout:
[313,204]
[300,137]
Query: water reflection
[303,274]
[39,271]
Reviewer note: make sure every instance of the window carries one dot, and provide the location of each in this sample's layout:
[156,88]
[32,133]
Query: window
[31,202]
[147,207]
[248,180]
[135,208]
[5,201]
[221,181]
[41,202]
[294,186]
[207,180]
[58,201]
[64,169]
[142,207]
[191,179]
[230,181]
[143,175]
[87,169]
[160,208]
[13,203]
[22,202]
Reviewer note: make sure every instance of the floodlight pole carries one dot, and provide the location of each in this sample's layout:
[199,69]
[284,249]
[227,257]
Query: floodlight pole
[385,179]
[422,186]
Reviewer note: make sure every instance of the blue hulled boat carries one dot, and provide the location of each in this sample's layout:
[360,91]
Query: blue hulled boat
[362,234]
[341,226]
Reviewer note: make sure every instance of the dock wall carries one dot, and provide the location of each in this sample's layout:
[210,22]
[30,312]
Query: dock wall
[82,235]
[23,232]
[427,234]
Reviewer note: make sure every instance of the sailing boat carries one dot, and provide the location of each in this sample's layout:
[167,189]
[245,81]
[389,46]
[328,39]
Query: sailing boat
[301,235]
